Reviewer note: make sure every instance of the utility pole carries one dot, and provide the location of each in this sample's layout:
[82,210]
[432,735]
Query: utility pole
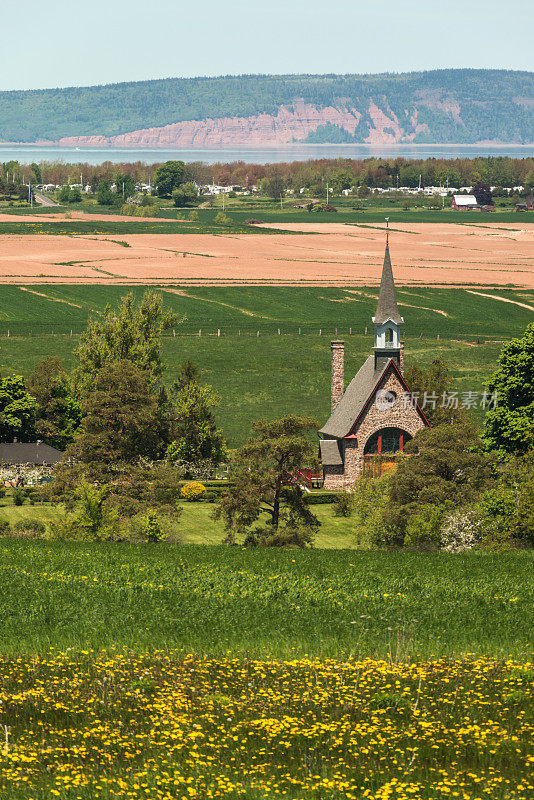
[327,192]
[281,201]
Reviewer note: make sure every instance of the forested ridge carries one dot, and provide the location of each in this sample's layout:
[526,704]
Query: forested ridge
[456,106]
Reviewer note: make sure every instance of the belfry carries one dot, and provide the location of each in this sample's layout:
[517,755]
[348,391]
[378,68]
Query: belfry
[375,416]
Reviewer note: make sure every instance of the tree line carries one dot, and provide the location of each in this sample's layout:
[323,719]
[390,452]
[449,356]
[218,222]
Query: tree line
[341,173]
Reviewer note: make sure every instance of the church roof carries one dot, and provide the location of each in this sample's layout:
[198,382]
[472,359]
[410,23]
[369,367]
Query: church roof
[329,451]
[354,400]
[387,300]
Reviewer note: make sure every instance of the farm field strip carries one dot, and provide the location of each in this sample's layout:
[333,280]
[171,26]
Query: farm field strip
[328,253]
[463,312]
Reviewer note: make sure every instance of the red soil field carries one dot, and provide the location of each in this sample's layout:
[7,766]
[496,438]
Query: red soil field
[331,254]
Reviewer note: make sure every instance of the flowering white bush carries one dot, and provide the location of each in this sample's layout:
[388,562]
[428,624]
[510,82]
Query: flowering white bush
[461,531]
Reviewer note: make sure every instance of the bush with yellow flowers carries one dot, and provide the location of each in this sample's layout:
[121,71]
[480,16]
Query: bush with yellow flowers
[192,491]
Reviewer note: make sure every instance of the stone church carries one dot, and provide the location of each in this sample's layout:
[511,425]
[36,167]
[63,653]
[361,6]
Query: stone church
[376,415]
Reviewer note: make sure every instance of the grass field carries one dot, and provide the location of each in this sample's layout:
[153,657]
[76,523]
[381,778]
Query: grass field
[83,726]
[464,313]
[196,526]
[168,671]
[239,211]
[272,603]
[241,369]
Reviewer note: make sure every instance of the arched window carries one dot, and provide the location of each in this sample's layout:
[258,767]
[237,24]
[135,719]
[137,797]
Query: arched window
[387,440]
[389,335]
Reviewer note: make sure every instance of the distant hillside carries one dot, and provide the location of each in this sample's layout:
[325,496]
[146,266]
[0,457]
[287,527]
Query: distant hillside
[442,106]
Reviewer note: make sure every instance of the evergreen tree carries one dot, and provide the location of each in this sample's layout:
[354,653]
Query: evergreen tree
[262,477]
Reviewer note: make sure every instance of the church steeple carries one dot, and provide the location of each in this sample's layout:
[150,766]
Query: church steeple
[387,320]
[387,300]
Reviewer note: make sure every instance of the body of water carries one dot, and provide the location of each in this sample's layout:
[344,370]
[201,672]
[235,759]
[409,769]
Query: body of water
[25,154]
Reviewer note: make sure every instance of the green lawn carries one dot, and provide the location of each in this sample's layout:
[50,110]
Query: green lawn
[196,526]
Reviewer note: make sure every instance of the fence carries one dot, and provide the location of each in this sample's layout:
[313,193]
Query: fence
[23,331]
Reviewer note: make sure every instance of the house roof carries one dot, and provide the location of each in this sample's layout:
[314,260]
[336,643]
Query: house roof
[29,453]
[354,400]
[465,200]
[359,392]
[329,452]
[387,300]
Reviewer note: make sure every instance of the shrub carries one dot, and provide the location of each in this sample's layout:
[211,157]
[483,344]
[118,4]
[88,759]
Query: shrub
[461,531]
[343,505]
[370,498]
[321,498]
[321,207]
[18,497]
[2,492]
[286,536]
[92,520]
[4,527]
[29,527]
[192,491]
[222,219]
[148,211]
[193,216]
[151,528]
[423,528]
[252,221]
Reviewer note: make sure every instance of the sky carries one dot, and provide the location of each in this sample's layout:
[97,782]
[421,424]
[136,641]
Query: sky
[71,43]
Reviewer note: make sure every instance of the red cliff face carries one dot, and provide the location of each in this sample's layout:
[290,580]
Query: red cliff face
[264,130]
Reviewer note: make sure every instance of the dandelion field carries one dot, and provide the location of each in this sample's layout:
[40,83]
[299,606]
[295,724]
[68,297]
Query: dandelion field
[168,671]
[165,726]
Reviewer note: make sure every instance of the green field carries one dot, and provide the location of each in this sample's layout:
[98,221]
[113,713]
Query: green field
[238,220]
[450,312]
[242,367]
[277,603]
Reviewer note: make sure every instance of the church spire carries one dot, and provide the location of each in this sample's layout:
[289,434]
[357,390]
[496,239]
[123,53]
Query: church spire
[387,301]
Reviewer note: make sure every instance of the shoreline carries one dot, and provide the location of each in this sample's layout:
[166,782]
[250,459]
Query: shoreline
[294,145]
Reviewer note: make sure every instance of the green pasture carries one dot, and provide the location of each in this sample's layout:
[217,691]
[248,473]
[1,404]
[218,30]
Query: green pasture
[271,602]
[34,226]
[267,376]
[270,375]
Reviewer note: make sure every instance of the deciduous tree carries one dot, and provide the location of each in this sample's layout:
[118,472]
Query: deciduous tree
[196,437]
[509,427]
[132,333]
[58,412]
[169,176]
[17,410]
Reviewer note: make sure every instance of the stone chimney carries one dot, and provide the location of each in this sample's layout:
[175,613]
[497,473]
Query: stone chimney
[401,357]
[338,368]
